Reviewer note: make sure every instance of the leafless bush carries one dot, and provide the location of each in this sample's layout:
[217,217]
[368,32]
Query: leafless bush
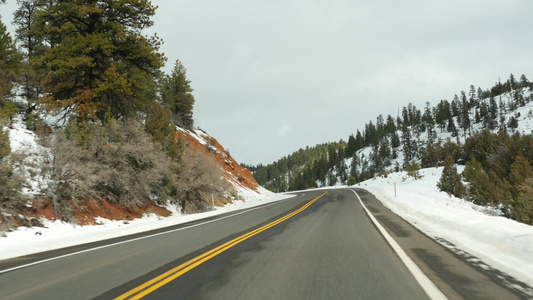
[12,201]
[199,177]
[121,163]
[10,196]
[64,174]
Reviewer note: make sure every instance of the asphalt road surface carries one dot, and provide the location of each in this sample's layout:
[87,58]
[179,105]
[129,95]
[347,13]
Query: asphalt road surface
[314,246]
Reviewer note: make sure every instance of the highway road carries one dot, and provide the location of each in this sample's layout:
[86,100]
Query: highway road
[317,245]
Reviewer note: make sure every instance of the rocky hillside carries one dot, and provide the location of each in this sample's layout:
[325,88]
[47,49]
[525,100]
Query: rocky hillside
[241,179]
[28,150]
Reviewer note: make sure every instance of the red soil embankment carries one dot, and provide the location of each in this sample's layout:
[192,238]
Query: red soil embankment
[233,172]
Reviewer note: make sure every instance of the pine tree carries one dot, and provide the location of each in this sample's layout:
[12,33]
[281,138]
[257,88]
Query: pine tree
[9,111]
[479,183]
[385,153]
[158,123]
[521,187]
[9,63]
[472,99]
[442,114]
[409,145]
[524,204]
[455,107]
[465,115]
[359,140]
[5,147]
[430,155]
[95,59]
[450,181]
[351,147]
[428,118]
[390,127]
[520,171]
[176,94]
[413,170]
[524,82]
[24,20]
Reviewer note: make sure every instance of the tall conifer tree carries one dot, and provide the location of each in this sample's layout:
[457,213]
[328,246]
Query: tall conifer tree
[96,59]
[176,94]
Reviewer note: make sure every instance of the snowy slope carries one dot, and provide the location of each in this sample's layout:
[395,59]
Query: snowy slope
[502,243]
[524,116]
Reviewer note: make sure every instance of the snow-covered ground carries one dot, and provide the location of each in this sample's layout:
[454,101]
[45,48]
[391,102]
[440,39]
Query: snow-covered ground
[499,242]
[57,234]
[502,243]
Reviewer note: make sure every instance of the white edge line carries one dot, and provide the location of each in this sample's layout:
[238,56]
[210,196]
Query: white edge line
[136,239]
[428,286]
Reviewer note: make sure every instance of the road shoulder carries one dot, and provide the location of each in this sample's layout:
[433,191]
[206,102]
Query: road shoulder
[449,271]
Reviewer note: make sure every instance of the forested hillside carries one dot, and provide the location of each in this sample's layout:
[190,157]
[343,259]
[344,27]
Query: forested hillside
[87,82]
[488,130]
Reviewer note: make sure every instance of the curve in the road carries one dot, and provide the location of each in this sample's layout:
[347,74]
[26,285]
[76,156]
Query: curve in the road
[159,281]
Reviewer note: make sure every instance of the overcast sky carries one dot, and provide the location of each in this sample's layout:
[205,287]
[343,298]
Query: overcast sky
[271,76]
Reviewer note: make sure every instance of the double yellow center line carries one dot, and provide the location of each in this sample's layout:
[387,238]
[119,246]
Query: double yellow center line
[159,281]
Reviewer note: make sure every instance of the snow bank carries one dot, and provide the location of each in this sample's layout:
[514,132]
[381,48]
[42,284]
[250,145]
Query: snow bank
[57,234]
[500,242]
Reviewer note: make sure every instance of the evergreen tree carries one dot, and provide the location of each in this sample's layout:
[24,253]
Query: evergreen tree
[158,123]
[176,94]
[409,145]
[9,63]
[96,59]
[405,116]
[428,118]
[524,82]
[390,127]
[343,172]
[465,115]
[351,181]
[385,153]
[451,127]
[24,20]
[9,111]
[439,116]
[512,123]
[455,107]
[395,140]
[351,148]
[359,140]
[521,170]
[430,155]
[513,84]
[472,99]
[413,170]
[479,185]
[524,203]
[353,167]
[450,181]
[5,147]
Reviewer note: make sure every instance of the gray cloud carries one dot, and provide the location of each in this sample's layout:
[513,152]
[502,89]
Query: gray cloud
[271,77]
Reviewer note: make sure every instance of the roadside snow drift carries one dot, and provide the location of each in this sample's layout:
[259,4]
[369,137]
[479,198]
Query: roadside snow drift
[504,244]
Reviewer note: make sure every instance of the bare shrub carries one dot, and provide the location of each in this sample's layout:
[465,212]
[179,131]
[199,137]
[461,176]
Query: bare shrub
[63,174]
[121,163]
[199,177]
[12,201]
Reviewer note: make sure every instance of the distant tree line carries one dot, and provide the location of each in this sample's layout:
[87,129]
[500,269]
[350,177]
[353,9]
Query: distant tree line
[302,169]
[415,136]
